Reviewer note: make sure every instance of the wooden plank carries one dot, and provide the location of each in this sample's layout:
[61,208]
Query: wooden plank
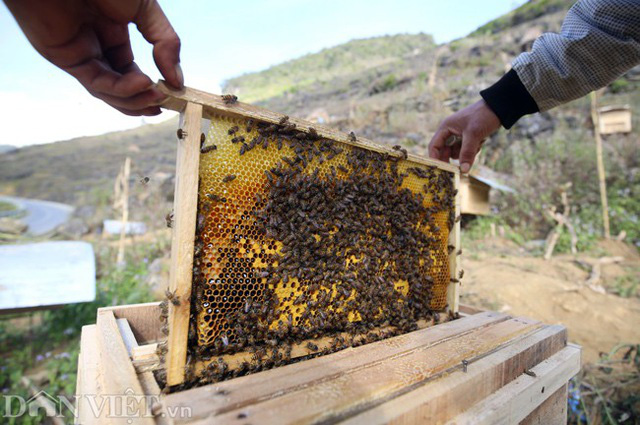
[214,105]
[301,349]
[118,375]
[127,335]
[513,402]
[373,383]
[552,411]
[182,244]
[144,320]
[246,390]
[90,404]
[441,399]
[469,310]
[150,388]
[453,291]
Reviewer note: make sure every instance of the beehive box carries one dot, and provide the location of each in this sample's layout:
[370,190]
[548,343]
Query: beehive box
[483,368]
[292,240]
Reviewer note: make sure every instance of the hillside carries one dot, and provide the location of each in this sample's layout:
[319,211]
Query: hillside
[392,89]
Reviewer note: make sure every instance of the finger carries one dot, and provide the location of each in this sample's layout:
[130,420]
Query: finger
[156,29]
[468,151]
[151,97]
[150,111]
[98,77]
[115,43]
[437,146]
[455,150]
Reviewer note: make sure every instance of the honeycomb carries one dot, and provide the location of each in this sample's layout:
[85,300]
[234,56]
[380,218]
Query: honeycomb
[235,257]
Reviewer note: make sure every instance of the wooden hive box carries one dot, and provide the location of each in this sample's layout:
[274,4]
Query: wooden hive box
[483,368]
[224,271]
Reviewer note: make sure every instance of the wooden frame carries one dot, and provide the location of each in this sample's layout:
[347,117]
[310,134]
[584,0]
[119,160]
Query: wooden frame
[483,368]
[194,105]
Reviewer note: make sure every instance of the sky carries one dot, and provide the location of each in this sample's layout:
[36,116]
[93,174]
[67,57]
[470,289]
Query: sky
[220,39]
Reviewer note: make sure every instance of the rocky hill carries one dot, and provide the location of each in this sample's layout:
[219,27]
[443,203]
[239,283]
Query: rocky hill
[392,89]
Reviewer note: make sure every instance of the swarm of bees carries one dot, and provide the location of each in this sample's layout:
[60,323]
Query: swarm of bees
[347,235]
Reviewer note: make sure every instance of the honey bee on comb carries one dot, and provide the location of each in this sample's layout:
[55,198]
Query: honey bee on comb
[319,238]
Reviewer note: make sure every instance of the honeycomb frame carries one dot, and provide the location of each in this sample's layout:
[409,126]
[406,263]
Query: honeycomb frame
[212,107]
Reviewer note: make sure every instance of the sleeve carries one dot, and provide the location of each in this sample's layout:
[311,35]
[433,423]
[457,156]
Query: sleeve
[598,42]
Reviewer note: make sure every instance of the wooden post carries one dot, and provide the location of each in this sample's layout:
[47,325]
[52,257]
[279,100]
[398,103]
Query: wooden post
[453,291]
[601,172]
[122,184]
[182,244]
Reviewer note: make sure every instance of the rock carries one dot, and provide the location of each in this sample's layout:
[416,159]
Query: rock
[12,226]
[74,228]
[531,126]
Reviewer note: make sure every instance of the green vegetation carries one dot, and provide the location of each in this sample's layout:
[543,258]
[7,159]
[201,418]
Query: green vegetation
[628,284]
[328,64]
[527,12]
[7,206]
[53,344]
[567,158]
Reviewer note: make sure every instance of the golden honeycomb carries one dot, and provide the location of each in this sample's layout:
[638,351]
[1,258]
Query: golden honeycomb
[233,254]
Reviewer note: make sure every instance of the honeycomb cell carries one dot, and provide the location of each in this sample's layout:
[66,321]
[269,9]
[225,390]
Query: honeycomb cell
[234,269]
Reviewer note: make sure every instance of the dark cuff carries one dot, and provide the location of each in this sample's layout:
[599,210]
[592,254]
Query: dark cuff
[509,99]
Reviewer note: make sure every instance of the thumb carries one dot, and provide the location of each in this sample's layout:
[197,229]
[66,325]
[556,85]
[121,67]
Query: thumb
[157,30]
[468,151]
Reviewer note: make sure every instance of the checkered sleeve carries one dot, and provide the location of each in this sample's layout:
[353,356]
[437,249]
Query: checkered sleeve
[598,42]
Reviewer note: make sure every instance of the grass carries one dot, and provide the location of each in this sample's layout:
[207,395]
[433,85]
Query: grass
[328,64]
[54,343]
[607,392]
[527,12]
[628,285]
[7,206]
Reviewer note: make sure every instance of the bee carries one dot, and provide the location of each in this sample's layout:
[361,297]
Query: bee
[169,219]
[457,220]
[249,126]
[213,197]
[459,252]
[181,134]
[229,99]
[229,178]
[352,136]
[311,346]
[461,274]
[237,139]
[144,180]
[233,130]
[401,150]
[530,373]
[465,364]
[172,297]
[283,120]
[203,138]
[208,149]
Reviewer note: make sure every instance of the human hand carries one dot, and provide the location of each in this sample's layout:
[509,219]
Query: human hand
[89,39]
[474,123]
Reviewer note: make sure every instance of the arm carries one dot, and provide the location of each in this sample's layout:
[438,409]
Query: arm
[600,40]
[89,39]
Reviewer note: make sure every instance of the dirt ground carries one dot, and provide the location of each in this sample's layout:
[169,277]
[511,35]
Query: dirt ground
[500,276]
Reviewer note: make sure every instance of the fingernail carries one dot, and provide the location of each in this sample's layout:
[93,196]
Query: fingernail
[464,167]
[180,75]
